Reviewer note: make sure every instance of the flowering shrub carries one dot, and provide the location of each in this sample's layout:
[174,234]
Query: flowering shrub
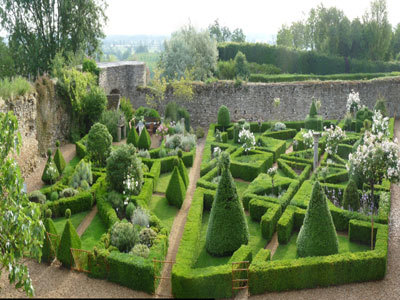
[131,185]
[308,138]
[380,125]
[162,130]
[272,172]
[334,137]
[247,139]
[353,102]
[216,152]
[279,126]
[277,102]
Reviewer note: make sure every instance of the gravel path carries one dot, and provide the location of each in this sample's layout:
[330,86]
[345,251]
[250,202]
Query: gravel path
[86,221]
[164,288]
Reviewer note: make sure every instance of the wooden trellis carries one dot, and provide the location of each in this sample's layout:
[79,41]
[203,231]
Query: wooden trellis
[156,277]
[80,260]
[241,281]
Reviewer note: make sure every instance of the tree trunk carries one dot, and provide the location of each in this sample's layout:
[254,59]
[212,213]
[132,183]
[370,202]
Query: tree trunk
[372,216]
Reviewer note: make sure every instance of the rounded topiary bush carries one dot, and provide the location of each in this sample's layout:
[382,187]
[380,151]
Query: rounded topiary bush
[351,198]
[176,190]
[227,227]
[94,103]
[129,210]
[224,116]
[317,236]
[54,196]
[123,161]
[140,217]
[144,141]
[147,236]
[69,239]
[140,250]
[37,196]
[124,236]
[99,144]
[381,106]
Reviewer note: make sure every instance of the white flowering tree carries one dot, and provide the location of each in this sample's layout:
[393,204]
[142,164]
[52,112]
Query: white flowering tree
[247,139]
[308,138]
[380,125]
[21,228]
[353,102]
[334,135]
[272,172]
[376,159]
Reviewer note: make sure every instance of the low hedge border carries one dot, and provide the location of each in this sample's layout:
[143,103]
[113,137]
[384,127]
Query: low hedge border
[276,147]
[298,125]
[281,134]
[249,171]
[295,156]
[78,203]
[341,175]
[167,163]
[267,214]
[292,217]
[287,168]
[154,173]
[298,141]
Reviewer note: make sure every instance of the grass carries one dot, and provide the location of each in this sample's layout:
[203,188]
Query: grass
[252,158]
[241,187]
[163,181]
[76,219]
[288,251]
[19,86]
[165,212]
[73,162]
[204,259]
[92,234]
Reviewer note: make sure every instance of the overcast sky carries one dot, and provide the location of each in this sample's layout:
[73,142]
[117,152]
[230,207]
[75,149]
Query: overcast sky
[161,17]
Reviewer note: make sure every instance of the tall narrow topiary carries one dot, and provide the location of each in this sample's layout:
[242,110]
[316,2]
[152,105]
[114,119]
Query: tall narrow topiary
[69,239]
[317,236]
[59,159]
[49,246]
[224,117]
[313,120]
[182,169]
[313,109]
[351,198]
[176,189]
[50,172]
[227,228]
[99,144]
[144,142]
[133,137]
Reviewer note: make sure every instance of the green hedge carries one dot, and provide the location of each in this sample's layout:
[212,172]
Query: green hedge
[360,231]
[167,163]
[267,214]
[80,147]
[81,202]
[287,222]
[310,272]
[249,171]
[298,125]
[105,210]
[281,134]
[154,173]
[275,146]
[298,156]
[287,167]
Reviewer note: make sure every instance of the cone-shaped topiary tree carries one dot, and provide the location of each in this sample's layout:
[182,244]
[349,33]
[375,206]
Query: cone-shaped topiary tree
[176,189]
[133,137]
[182,169]
[317,236]
[313,109]
[227,228]
[144,141]
[69,239]
[350,196]
[48,250]
[224,117]
[50,172]
[59,159]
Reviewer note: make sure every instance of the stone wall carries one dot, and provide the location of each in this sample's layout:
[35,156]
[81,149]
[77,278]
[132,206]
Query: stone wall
[254,101]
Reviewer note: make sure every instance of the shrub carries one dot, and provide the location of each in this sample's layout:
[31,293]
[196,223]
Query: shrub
[144,141]
[126,108]
[184,114]
[49,249]
[140,250]
[147,236]
[171,111]
[182,170]
[350,196]
[176,191]
[279,126]
[129,210]
[241,66]
[227,227]
[69,239]
[94,104]
[19,86]
[317,236]
[111,119]
[116,200]
[263,69]
[123,236]
[37,197]
[226,69]
[59,159]
[99,144]
[140,217]
[147,112]
[68,192]
[224,117]
[143,153]
[199,132]
[82,174]
[122,162]
[89,65]
[54,196]
[381,106]
[50,172]
[133,137]
[188,142]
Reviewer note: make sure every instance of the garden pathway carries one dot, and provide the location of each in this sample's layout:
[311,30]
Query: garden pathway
[86,221]
[388,288]
[164,288]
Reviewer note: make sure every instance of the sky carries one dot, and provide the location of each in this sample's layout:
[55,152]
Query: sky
[260,18]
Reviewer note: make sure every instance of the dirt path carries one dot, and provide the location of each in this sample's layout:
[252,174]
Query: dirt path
[34,181]
[388,288]
[86,221]
[164,288]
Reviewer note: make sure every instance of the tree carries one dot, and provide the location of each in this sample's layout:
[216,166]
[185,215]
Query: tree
[241,66]
[284,37]
[317,236]
[69,239]
[238,36]
[176,190]
[395,45]
[99,144]
[189,49]
[7,68]
[224,117]
[357,41]
[21,228]
[351,200]
[298,30]
[220,34]
[38,29]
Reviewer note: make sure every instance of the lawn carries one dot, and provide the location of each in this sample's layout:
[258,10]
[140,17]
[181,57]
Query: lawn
[241,186]
[162,183]
[73,162]
[288,251]
[76,219]
[165,212]
[92,234]
[206,260]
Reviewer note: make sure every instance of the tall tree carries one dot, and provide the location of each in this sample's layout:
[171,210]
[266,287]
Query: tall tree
[238,36]
[219,33]
[284,37]
[6,61]
[395,45]
[38,29]
[299,35]
[357,42]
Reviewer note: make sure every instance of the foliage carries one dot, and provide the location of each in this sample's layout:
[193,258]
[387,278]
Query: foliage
[350,196]
[7,65]
[99,143]
[37,197]
[122,162]
[188,49]
[241,66]
[158,86]
[18,86]
[147,112]
[90,66]
[380,105]
[246,138]
[226,69]
[184,114]
[266,69]
[127,108]
[82,176]
[317,236]
[59,160]
[199,132]
[182,87]
[124,236]
[116,200]
[227,227]
[54,196]
[140,217]
[69,239]
[147,236]
[140,250]
[380,125]
[133,137]
[223,33]
[353,102]
[129,210]
[313,109]
[94,103]
[171,111]
[45,29]
[49,249]
[185,142]
[279,126]
[182,170]
[224,117]
[50,172]
[144,141]
[111,119]
[334,136]
[68,192]
[176,190]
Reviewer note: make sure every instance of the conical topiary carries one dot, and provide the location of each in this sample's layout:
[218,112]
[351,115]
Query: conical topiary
[351,199]
[69,239]
[50,172]
[224,117]
[59,159]
[182,169]
[133,137]
[313,109]
[317,236]
[49,243]
[381,106]
[227,228]
[144,141]
[176,189]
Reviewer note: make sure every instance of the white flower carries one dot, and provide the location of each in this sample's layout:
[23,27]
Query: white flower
[272,171]
[308,138]
[380,125]
[334,137]
[353,102]
[247,139]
